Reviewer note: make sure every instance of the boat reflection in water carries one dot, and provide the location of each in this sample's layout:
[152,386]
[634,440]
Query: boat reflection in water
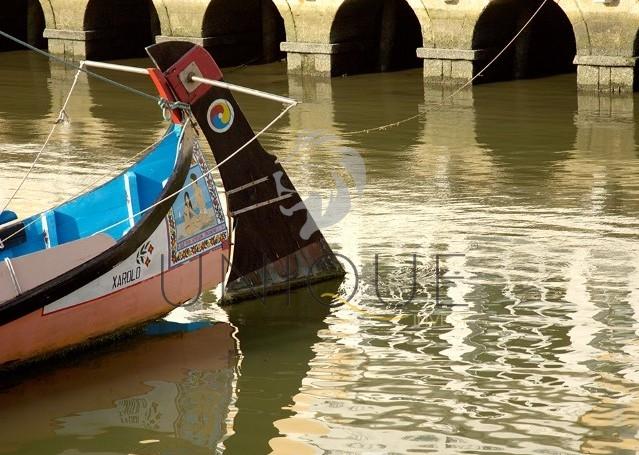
[172,389]
[277,337]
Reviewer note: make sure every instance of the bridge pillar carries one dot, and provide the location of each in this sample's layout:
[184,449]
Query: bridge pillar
[72,44]
[608,63]
[341,37]
[450,66]
[100,29]
[308,46]
[605,73]
[314,59]
[65,29]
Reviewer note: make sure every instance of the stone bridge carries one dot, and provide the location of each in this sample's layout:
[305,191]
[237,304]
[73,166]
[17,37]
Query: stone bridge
[452,39]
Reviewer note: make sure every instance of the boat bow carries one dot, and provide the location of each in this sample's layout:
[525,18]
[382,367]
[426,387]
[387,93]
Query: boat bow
[271,250]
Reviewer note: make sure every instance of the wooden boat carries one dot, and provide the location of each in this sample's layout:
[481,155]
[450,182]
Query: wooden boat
[95,265]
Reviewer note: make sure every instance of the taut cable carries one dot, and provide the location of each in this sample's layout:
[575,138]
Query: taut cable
[456,92]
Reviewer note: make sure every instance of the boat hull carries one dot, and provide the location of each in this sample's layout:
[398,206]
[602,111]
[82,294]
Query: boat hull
[187,254]
[91,313]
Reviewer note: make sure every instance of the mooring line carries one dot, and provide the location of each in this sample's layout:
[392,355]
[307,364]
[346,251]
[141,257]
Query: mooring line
[456,92]
[66,63]
[61,118]
[210,171]
[256,136]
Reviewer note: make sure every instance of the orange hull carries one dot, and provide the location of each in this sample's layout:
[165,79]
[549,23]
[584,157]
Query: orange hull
[39,334]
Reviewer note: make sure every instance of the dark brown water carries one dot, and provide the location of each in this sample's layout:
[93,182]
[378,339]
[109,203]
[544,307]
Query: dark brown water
[532,348]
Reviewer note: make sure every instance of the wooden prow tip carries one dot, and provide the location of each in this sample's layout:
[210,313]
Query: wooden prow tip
[197,62]
[269,214]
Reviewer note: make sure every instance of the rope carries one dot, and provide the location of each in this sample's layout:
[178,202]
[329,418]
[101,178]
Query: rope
[235,69]
[164,104]
[81,68]
[210,171]
[62,116]
[456,92]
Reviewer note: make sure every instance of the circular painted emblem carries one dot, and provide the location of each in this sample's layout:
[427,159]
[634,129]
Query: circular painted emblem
[221,116]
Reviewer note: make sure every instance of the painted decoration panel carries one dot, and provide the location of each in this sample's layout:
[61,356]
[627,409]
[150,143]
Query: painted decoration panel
[196,222]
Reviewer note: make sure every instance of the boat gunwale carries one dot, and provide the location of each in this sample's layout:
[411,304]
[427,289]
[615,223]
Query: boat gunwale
[31,218]
[72,280]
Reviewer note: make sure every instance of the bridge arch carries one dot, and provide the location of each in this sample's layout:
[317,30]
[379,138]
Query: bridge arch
[25,20]
[119,28]
[242,32]
[547,46]
[576,16]
[375,35]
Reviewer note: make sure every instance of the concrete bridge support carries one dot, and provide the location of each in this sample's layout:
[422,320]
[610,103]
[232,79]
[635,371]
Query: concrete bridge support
[99,29]
[459,37]
[355,36]
[452,39]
